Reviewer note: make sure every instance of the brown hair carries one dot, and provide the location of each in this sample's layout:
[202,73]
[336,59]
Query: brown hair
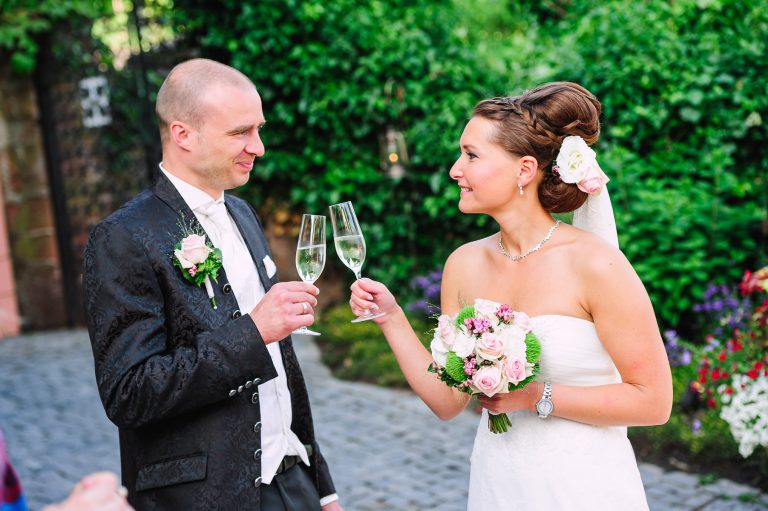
[535,124]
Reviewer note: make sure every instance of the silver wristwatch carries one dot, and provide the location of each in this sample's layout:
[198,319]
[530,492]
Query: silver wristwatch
[544,406]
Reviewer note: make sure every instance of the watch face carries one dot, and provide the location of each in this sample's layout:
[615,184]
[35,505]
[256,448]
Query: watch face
[544,407]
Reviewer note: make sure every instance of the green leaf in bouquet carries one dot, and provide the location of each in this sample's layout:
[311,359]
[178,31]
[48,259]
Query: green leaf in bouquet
[454,366]
[466,312]
[532,348]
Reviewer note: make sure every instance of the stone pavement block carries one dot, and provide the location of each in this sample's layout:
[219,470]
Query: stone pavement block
[699,500]
[650,474]
[730,489]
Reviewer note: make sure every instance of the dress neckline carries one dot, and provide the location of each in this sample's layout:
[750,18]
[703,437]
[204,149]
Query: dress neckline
[566,316]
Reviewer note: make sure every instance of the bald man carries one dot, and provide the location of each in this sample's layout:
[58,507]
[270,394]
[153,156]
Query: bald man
[201,377]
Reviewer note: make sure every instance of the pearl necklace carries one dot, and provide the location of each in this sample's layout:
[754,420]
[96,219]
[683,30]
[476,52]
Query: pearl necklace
[530,251]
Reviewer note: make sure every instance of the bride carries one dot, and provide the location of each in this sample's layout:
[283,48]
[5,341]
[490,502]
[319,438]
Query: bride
[603,363]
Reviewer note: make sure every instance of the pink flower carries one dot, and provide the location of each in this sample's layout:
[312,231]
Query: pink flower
[522,321]
[469,367]
[489,380]
[477,325]
[192,270]
[446,330]
[515,370]
[594,181]
[505,313]
[193,251]
[490,346]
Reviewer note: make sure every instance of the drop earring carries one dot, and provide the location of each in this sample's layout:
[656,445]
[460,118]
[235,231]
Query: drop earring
[520,187]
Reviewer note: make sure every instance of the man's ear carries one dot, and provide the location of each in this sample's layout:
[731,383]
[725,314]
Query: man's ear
[181,135]
[528,168]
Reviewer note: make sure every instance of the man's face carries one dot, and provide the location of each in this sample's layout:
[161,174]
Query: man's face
[228,141]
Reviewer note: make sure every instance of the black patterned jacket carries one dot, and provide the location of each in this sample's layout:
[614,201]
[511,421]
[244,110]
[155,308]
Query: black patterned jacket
[178,378]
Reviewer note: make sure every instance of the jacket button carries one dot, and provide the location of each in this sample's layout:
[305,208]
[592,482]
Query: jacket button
[255,398]
[239,389]
[232,392]
[257,427]
[257,454]
[236,314]
[248,384]
[227,288]
[257,482]
[256,381]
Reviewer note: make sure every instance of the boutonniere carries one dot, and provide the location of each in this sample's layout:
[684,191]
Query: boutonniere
[198,260]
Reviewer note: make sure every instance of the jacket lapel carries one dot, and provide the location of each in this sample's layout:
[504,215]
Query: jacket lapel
[253,236]
[167,193]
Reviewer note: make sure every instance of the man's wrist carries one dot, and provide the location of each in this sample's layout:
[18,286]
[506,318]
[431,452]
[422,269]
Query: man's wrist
[328,499]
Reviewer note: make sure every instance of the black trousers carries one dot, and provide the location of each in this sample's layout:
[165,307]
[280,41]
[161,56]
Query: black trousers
[290,491]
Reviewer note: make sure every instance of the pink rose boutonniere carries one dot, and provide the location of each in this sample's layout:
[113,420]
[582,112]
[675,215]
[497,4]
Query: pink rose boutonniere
[198,260]
[486,349]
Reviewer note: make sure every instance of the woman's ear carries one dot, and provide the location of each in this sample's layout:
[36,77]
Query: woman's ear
[528,167]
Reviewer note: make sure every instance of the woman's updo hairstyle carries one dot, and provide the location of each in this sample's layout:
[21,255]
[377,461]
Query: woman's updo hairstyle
[535,124]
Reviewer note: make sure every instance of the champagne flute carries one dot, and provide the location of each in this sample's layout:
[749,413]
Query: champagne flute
[310,254]
[350,244]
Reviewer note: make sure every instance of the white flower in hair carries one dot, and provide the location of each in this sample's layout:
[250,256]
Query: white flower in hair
[576,163]
[574,159]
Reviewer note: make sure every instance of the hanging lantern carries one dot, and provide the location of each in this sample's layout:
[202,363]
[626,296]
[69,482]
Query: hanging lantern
[394,155]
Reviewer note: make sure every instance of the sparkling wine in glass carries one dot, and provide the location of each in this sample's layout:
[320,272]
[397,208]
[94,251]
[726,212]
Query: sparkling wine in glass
[350,244]
[310,255]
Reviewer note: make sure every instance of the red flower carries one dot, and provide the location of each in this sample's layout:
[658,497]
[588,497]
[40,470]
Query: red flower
[716,374]
[711,403]
[728,390]
[753,373]
[758,365]
[721,356]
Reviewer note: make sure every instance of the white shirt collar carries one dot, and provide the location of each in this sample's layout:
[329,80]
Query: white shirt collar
[192,195]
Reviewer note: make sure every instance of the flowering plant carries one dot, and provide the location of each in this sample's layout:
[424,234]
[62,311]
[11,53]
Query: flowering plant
[429,290]
[733,375]
[487,348]
[197,259]
[576,163]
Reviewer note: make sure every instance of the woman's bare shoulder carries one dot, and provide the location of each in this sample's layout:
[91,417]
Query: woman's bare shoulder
[470,251]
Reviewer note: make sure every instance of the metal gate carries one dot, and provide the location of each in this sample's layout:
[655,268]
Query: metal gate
[100,139]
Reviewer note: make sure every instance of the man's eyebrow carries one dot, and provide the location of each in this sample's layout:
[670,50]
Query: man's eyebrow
[244,128]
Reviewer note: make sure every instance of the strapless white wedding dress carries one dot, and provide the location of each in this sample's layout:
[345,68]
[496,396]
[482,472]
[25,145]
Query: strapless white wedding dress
[556,464]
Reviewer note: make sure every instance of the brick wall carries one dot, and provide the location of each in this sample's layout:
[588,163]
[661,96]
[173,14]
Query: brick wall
[10,323]
[31,232]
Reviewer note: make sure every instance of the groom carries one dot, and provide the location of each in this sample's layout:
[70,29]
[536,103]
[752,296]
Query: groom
[209,399]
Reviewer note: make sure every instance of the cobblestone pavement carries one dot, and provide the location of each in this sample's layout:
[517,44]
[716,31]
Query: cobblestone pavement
[384,447]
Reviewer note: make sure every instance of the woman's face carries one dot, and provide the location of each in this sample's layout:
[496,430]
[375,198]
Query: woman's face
[485,172]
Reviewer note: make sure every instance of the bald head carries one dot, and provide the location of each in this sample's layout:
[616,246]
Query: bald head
[182,95]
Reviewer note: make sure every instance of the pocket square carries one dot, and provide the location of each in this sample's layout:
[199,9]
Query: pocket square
[270,266]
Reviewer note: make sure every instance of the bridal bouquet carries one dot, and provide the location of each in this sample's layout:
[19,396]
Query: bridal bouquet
[486,349]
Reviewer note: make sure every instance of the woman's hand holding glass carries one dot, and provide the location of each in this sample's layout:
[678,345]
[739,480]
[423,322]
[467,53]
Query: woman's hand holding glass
[350,245]
[370,295]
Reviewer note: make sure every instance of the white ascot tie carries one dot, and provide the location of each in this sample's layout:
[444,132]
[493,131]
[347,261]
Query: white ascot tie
[235,257]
